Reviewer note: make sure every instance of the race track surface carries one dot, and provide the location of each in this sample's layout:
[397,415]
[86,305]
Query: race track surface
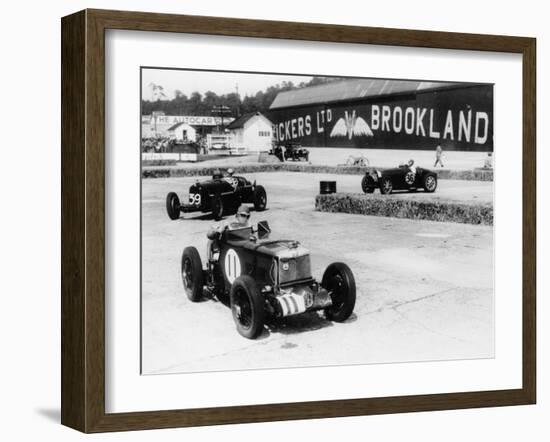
[424,289]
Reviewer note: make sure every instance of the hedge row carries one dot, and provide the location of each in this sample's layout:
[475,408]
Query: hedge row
[155,173]
[392,206]
[471,175]
[146,163]
[477,175]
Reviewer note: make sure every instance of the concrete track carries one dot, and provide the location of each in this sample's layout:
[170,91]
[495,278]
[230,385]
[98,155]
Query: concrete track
[424,289]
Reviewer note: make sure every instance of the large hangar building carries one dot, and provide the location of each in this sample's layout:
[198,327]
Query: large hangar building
[387,114]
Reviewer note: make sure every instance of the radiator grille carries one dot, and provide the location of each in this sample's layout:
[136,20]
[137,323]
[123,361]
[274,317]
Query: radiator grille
[296,269]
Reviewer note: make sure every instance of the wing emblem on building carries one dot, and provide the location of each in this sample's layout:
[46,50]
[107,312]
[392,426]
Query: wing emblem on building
[351,125]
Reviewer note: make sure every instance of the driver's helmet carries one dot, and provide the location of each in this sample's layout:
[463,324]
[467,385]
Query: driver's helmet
[217,174]
[230,171]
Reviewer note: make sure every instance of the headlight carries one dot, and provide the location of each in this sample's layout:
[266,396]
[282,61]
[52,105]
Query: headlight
[273,271]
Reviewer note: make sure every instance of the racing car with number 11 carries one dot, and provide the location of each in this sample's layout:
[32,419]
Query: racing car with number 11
[262,279]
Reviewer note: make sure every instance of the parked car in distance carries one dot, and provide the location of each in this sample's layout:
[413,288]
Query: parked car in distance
[290,152]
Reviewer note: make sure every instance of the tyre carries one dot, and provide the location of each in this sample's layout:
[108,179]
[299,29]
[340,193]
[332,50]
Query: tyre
[217,207]
[339,281]
[367,184]
[191,274]
[386,186]
[173,205]
[430,183]
[260,198]
[247,307]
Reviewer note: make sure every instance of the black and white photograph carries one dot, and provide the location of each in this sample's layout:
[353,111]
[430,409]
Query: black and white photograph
[293,221]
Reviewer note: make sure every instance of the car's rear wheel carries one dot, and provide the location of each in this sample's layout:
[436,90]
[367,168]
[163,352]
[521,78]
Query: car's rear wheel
[367,184]
[247,307]
[217,207]
[173,205]
[260,198]
[338,279]
[430,183]
[191,273]
[386,186]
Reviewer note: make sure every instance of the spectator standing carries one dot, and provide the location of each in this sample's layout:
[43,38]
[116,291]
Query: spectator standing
[438,155]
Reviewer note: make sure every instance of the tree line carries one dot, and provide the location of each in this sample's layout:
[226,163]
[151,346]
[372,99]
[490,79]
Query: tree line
[199,104]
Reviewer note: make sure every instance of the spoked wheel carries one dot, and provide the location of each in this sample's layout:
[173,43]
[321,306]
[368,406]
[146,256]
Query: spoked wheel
[367,184]
[173,205]
[339,281]
[430,183]
[191,273]
[247,307]
[260,198]
[386,186]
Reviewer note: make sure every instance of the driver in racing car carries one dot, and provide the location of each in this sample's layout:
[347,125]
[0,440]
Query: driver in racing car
[241,220]
[411,166]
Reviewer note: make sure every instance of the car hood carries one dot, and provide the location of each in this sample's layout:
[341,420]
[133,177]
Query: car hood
[283,249]
[221,185]
[401,170]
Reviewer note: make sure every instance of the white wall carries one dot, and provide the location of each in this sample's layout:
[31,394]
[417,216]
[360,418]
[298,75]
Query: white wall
[249,137]
[30,233]
[253,139]
[191,133]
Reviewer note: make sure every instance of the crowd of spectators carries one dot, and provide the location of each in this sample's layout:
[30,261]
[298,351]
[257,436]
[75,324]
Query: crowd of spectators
[169,145]
[157,145]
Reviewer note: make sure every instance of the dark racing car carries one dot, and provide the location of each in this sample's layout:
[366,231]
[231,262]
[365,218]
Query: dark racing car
[295,152]
[290,152]
[221,195]
[263,279]
[404,177]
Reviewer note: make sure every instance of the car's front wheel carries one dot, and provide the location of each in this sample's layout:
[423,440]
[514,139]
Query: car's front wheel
[430,183]
[247,307]
[260,198]
[191,273]
[338,279]
[173,205]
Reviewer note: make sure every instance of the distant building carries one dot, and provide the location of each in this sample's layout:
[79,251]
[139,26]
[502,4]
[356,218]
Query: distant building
[251,132]
[182,133]
[387,114]
[158,124]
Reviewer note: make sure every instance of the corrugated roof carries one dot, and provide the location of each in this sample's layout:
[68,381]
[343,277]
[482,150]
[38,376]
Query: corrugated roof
[240,122]
[352,89]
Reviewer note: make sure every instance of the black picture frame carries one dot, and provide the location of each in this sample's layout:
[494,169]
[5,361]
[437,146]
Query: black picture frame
[83,219]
